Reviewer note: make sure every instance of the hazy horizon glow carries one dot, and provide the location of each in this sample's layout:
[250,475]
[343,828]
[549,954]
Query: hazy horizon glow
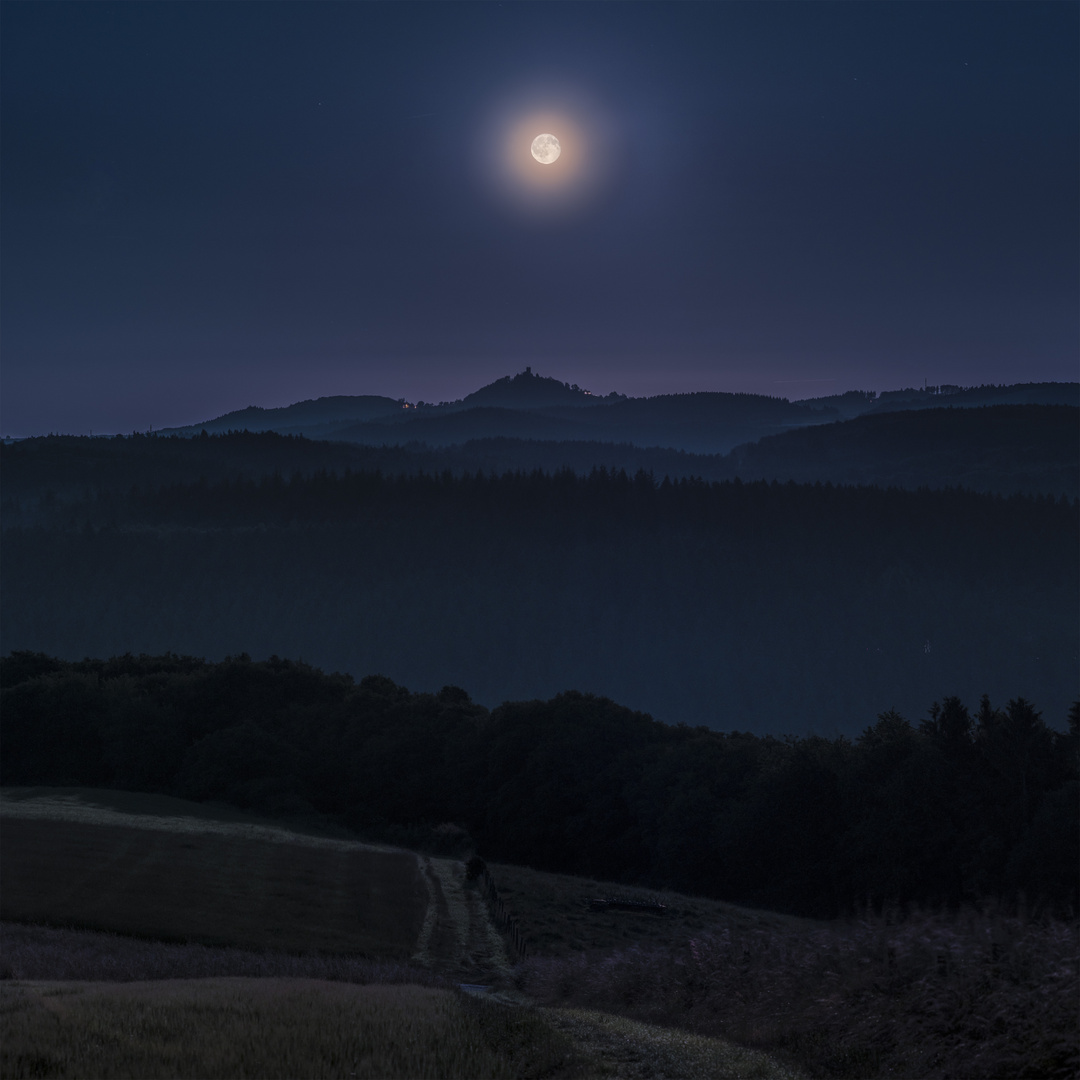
[184,403]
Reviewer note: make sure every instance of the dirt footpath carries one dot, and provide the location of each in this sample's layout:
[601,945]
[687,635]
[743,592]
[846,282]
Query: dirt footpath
[458,938]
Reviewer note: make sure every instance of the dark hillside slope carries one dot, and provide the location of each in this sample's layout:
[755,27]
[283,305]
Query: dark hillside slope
[703,423]
[1000,448]
[531,407]
[448,428]
[696,423]
[43,477]
[856,402]
[303,418]
[1044,393]
[768,608]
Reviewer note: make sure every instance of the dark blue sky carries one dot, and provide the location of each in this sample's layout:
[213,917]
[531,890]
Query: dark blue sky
[207,206]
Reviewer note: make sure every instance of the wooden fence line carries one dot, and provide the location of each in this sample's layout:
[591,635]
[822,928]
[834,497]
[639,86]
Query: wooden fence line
[502,918]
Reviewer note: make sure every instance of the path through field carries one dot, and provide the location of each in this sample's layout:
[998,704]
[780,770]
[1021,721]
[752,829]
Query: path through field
[69,858]
[458,935]
[152,867]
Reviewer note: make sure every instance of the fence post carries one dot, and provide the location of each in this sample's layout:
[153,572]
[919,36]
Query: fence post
[501,916]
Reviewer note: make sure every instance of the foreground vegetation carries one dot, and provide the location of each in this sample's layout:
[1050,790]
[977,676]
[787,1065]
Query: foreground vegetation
[32,952]
[134,1008]
[924,995]
[305,1028]
[270,1028]
[903,993]
[956,809]
[917,995]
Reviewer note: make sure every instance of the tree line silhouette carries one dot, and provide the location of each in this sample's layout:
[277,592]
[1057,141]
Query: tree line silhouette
[958,807]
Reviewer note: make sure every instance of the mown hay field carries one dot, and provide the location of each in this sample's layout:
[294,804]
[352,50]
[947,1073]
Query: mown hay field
[67,861]
[170,869]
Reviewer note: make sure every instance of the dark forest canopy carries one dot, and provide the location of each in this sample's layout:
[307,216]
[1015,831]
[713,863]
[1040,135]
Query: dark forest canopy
[1005,449]
[765,607]
[958,807]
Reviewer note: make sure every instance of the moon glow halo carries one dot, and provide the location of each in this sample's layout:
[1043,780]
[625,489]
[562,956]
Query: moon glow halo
[532,170]
[546,149]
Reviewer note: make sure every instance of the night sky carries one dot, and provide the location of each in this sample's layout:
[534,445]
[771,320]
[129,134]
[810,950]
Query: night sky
[207,206]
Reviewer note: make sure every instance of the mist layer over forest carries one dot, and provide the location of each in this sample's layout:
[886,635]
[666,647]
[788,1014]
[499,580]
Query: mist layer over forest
[1006,449]
[739,606]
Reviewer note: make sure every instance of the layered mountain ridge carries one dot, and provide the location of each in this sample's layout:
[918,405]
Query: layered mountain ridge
[536,407]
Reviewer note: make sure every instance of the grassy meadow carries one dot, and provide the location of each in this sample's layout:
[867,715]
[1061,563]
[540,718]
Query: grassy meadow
[553,912]
[300,1027]
[268,1028]
[145,941]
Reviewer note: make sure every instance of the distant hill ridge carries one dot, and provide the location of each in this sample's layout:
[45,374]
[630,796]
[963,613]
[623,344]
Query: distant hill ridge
[857,402]
[303,414]
[1007,449]
[529,391]
[532,406]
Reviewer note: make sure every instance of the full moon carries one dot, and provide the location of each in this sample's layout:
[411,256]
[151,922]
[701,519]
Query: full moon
[546,149]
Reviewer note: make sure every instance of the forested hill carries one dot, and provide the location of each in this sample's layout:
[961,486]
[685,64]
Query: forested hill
[310,417]
[529,391]
[1007,449]
[530,406]
[61,469]
[704,423]
[1041,393]
[45,478]
[770,608]
[959,807]
[1001,448]
[857,402]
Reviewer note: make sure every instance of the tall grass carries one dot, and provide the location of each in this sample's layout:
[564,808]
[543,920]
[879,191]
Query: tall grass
[282,1017]
[270,1028]
[77,1003]
[925,995]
